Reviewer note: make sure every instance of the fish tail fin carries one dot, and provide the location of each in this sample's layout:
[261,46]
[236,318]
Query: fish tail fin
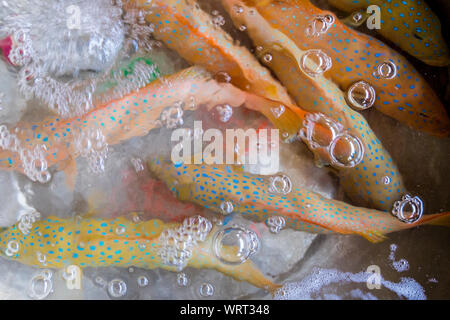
[248,272]
[438,219]
[283,118]
[373,236]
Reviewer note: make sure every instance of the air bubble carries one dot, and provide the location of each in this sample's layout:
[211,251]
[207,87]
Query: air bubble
[281,184]
[40,285]
[92,145]
[225,112]
[142,281]
[278,111]
[401,265]
[319,25]
[137,164]
[120,230]
[26,221]
[12,248]
[222,77]
[267,57]
[182,279]
[176,245]
[235,245]
[357,17]
[172,117]
[42,258]
[386,180]
[117,288]
[319,139]
[315,62]
[226,207]
[206,290]
[100,282]
[386,70]
[354,151]
[238,9]
[408,209]
[361,95]
[276,224]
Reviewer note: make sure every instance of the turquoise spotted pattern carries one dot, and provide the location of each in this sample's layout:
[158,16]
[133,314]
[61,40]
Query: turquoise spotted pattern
[363,183]
[90,242]
[410,24]
[210,186]
[55,243]
[133,115]
[355,56]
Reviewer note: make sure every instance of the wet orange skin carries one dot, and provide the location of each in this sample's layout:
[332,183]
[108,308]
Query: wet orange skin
[355,56]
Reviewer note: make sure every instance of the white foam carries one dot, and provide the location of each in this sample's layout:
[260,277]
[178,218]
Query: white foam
[312,285]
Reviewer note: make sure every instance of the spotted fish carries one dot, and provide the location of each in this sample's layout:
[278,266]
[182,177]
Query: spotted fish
[411,25]
[188,30]
[131,116]
[58,243]
[178,21]
[303,210]
[363,182]
[283,27]
[136,114]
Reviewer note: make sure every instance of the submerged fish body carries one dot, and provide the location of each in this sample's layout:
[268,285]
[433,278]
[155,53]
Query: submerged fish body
[188,30]
[136,114]
[86,242]
[302,210]
[280,29]
[131,116]
[411,25]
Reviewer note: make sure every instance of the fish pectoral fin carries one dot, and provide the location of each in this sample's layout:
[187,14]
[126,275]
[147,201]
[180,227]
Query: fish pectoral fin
[373,236]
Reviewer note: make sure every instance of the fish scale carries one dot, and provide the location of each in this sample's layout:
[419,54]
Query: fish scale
[355,56]
[91,242]
[302,209]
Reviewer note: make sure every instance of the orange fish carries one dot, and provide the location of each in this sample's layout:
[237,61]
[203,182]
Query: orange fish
[289,29]
[56,141]
[152,244]
[184,27]
[411,25]
[251,195]
[188,30]
[32,148]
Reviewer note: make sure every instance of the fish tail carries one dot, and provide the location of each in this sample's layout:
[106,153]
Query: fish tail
[438,219]
[248,272]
